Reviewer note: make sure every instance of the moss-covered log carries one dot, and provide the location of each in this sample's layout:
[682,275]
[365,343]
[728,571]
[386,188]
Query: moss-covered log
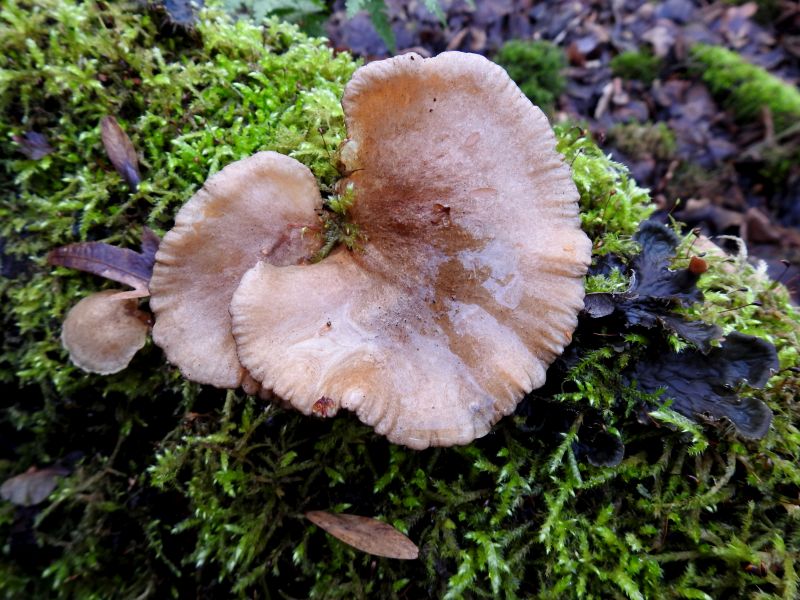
[174,490]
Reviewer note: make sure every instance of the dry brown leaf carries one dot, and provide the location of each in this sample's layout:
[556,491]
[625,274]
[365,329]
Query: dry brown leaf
[121,151]
[366,534]
[32,486]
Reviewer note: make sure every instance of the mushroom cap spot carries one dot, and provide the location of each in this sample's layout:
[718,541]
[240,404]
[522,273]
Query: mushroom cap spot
[251,210]
[103,331]
[471,278]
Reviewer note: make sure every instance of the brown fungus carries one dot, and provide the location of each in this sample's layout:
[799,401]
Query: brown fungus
[103,331]
[253,209]
[471,276]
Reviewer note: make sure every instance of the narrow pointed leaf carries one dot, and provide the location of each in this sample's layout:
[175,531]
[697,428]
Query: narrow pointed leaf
[150,243]
[366,534]
[120,151]
[117,264]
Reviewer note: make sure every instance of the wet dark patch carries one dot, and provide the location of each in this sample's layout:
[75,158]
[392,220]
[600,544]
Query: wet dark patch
[707,385]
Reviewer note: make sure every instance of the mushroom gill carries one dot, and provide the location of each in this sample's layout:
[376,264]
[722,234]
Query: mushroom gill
[470,280]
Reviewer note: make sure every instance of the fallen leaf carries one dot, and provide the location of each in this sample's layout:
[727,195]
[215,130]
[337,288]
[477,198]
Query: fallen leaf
[33,145]
[31,487]
[457,39]
[758,228]
[605,100]
[117,264]
[120,151]
[366,534]
[150,242]
[717,219]
[697,265]
[575,56]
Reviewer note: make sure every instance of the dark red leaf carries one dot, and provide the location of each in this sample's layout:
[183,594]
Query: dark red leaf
[697,266]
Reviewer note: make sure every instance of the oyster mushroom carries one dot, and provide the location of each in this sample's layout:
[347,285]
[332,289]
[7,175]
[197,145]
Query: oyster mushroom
[253,209]
[103,331]
[470,280]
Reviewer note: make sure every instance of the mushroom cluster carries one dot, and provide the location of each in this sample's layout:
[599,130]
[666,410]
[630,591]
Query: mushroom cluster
[104,331]
[466,288]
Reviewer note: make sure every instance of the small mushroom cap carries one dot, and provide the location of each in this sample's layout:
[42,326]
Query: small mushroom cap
[471,278]
[253,209]
[103,331]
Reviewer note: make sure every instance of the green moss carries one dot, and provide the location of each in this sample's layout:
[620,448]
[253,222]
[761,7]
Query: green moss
[636,64]
[181,491]
[614,283]
[746,88]
[536,68]
[612,204]
[639,140]
[337,227]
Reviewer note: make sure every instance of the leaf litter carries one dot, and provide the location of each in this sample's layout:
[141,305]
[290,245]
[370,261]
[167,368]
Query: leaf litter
[366,534]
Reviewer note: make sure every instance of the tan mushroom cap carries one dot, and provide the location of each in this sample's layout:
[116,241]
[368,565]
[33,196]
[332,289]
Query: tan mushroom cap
[472,276]
[253,209]
[103,331]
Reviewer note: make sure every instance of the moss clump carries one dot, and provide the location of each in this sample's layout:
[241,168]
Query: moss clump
[178,491]
[746,88]
[536,68]
[640,140]
[612,204]
[641,65]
